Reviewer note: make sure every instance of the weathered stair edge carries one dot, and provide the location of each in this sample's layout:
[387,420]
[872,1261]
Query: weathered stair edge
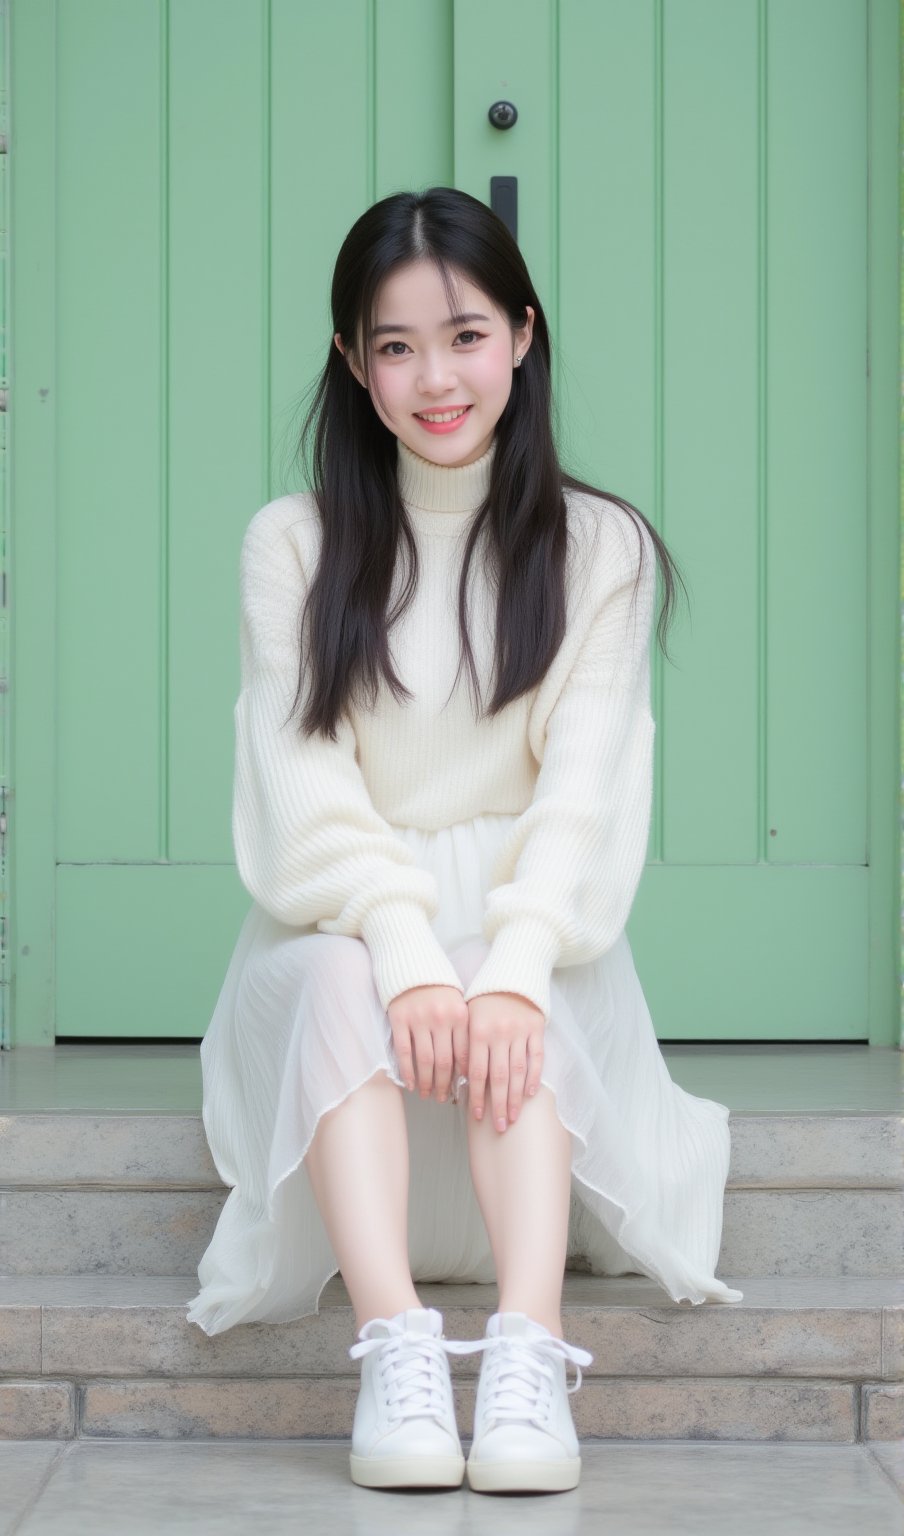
[793,1232]
[698,1408]
[125,1149]
[800,1360]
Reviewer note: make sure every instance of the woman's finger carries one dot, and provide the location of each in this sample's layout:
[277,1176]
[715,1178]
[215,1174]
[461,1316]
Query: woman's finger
[477,1078]
[535,1063]
[423,1048]
[517,1073]
[401,1040]
[442,1062]
[499,1081]
[460,1040]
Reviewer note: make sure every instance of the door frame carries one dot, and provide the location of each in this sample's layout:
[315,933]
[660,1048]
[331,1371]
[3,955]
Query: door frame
[27,980]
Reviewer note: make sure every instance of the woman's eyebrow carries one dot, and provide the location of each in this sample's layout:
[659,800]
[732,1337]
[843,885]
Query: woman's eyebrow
[408,330]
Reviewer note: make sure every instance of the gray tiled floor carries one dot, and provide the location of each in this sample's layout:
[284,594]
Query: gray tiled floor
[628,1488]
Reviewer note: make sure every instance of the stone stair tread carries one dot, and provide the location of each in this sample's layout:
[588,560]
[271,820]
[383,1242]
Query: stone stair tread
[107,1167]
[116,1150]
[580,1290]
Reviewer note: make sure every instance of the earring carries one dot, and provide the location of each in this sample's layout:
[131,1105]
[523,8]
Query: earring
[517,362]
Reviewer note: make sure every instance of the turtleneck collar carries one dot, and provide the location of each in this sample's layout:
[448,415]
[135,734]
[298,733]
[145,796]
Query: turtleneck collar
[441,497]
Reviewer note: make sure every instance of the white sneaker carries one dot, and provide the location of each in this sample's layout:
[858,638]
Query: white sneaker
[405,1434]
[524,1435]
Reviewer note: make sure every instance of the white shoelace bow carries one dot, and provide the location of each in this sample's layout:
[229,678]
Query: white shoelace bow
[516,1369]
[412,1369]
[518,1383]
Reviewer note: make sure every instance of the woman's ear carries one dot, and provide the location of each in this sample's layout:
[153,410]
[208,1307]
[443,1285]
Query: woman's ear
[352,365]
[524,336]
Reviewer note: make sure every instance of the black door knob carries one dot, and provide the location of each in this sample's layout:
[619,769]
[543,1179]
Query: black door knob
[503,114]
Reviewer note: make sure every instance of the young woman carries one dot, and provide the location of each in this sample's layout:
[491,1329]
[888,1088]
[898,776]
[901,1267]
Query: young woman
[431,1058]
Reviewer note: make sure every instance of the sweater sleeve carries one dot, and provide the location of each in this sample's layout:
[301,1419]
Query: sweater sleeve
[577,852]
[310,846]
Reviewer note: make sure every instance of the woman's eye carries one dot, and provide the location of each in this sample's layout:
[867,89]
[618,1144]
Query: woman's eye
[477,335]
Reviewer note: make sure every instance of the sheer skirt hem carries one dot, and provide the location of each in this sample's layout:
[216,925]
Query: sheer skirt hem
[298,1027]
[216,1308]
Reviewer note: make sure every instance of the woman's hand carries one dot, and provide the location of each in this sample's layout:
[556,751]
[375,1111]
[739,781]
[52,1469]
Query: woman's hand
[433,1023]
[503,1028]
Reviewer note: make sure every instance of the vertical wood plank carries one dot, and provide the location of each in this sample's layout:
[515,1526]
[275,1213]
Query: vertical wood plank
[109,480]
[610,331]
[32,443]
[413,88]
[321,146]
[815,557]
[713,292]
[884,62]
[218,415]
[509,51]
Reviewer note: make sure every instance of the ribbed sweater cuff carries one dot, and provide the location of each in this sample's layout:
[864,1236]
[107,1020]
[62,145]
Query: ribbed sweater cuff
[405,952]
[521,959]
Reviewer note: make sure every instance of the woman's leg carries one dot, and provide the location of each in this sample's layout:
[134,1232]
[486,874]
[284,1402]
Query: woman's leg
[358,1168]
[522,1179]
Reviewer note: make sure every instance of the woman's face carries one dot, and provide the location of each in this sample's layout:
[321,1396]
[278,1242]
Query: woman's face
[422,364]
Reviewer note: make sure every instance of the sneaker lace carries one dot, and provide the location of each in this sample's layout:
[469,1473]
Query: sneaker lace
[413,1369]
[522,1368]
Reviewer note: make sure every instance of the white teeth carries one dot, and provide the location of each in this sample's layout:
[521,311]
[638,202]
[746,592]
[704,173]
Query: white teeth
[446,416]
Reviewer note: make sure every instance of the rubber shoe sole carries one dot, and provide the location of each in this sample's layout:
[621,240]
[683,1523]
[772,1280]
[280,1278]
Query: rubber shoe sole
[524,1476]
[407,1471]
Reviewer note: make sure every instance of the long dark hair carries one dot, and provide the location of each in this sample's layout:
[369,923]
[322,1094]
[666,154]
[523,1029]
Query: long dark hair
[355,486]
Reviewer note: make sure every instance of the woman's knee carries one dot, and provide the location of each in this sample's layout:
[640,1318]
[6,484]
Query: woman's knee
[327,965]
[324,990]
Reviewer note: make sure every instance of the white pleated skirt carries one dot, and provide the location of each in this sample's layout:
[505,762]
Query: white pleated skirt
[298,1026]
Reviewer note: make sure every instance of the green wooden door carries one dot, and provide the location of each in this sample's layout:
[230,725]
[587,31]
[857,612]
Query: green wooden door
[693,205]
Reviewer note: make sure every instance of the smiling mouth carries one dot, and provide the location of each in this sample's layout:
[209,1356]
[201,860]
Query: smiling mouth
[449,415]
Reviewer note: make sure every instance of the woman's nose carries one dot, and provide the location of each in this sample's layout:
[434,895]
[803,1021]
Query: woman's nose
[436,377]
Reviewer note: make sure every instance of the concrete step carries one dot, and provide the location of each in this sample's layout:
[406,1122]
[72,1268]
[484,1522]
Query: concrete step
[138,1193]
[799,1359]
[777,1232]
[134,1149]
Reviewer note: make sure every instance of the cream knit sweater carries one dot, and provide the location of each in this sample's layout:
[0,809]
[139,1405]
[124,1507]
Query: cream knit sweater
[314,820]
